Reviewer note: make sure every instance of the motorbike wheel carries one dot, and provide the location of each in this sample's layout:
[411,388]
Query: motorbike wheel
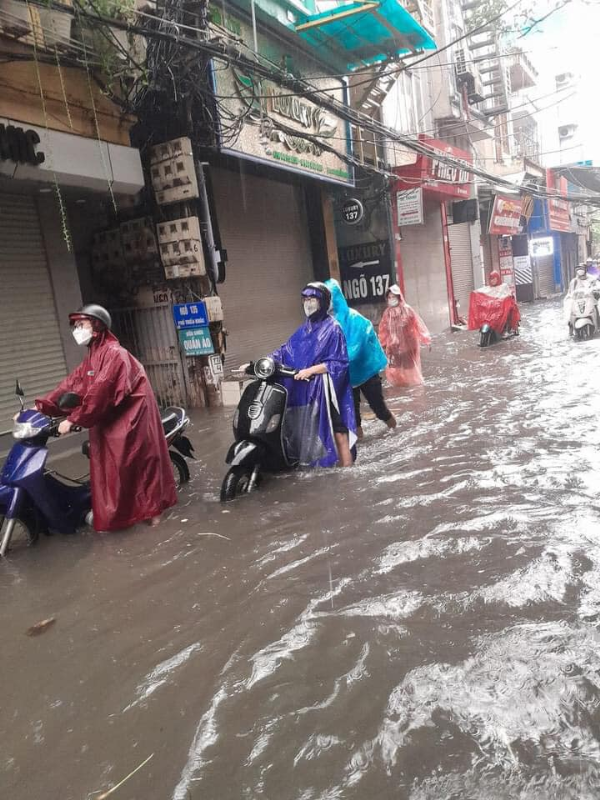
[485,339]
[24,533]
[235,483]
[181,471]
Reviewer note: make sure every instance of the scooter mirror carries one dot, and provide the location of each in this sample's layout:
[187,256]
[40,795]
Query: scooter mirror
[19,390]
[69,400]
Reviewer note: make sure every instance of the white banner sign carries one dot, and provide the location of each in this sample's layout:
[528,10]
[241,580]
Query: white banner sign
[410,207]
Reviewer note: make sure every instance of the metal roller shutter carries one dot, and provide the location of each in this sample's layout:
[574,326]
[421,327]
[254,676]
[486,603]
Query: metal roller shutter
[545,270]
[31,347]
[263,228]
[462,264]
[425,271]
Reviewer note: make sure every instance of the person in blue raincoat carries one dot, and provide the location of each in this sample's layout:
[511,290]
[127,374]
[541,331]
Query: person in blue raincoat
[366,355]
[319,426]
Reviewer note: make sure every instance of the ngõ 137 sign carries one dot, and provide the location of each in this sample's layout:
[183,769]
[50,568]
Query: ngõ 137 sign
[365,270]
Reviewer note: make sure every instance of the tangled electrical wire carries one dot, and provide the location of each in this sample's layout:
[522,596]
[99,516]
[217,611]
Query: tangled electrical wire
[177,85]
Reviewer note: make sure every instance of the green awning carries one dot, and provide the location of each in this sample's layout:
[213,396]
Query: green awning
[367,32]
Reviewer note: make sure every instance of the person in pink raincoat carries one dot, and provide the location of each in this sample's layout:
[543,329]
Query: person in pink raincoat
[401,333]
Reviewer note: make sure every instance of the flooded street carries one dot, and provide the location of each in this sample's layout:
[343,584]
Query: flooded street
[423,626]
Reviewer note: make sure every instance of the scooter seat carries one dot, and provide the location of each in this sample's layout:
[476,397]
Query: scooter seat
[170,418]
[85,448]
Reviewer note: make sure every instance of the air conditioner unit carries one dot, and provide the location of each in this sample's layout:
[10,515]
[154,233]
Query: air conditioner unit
[475,93]
[464,71]
[564,79]
[567,131]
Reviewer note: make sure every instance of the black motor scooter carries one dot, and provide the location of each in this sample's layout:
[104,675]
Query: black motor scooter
[258,430]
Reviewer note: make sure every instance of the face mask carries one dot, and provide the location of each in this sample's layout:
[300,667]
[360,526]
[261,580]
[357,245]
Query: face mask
[393,302]
[311,307]
[82,336]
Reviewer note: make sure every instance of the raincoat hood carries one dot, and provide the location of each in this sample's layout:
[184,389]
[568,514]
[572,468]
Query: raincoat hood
[365,353]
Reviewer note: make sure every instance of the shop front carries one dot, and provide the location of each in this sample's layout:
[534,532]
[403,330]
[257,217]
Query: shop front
[553,244]
[436,255]
[38,269]
[274,195]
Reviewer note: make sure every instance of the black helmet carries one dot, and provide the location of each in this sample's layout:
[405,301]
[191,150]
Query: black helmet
[92,311]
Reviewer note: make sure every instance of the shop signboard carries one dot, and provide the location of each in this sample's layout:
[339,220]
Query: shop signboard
[559,218]
[436,176]
[264,121]
[215,363]
[20,145]
[505,219]
[365,271]
[196,342]
[505,261]
[410,207]
[190,315]
[542,246]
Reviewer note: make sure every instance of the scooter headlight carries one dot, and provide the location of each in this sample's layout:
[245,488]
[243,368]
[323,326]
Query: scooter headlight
[264,368]
[25,430]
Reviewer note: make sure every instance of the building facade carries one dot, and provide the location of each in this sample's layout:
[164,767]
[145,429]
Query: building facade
[64,150]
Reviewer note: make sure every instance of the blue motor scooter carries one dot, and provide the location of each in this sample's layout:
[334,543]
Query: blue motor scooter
[32,498]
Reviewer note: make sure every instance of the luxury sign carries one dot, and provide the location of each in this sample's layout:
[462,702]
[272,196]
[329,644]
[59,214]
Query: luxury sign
[265,121]
[265,103]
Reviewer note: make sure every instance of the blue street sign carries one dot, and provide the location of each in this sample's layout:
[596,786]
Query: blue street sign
[196,342]
[190,315]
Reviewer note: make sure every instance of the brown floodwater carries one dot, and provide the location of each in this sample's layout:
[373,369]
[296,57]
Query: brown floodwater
[423,626]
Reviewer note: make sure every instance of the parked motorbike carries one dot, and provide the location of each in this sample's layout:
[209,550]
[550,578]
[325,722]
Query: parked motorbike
[582,312]
[258,430]
[175,422]
[34,499]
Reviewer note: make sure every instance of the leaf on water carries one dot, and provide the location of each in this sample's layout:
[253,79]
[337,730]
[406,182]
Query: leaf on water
[41,627]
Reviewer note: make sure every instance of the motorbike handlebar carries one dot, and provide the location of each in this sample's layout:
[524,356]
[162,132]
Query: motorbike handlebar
[287,372]
[53,429]
[280,369]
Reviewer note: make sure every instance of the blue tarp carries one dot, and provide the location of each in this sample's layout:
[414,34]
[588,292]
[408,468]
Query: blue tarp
[380,31]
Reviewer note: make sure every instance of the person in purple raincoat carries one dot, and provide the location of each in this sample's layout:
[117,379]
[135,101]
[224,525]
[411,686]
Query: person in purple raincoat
[320,427]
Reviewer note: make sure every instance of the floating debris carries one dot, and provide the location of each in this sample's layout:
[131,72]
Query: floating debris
[41,627]
[104,795]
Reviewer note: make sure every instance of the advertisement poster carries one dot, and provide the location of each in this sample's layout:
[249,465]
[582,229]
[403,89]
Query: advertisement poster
[505,219]
[410,207]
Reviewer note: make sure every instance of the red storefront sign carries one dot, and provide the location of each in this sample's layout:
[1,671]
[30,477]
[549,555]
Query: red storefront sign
[506,214]
[434,176]
[559,217]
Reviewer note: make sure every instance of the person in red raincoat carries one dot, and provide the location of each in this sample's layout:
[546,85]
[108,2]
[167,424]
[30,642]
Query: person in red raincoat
[495,305]
[401,333]
[131,475]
